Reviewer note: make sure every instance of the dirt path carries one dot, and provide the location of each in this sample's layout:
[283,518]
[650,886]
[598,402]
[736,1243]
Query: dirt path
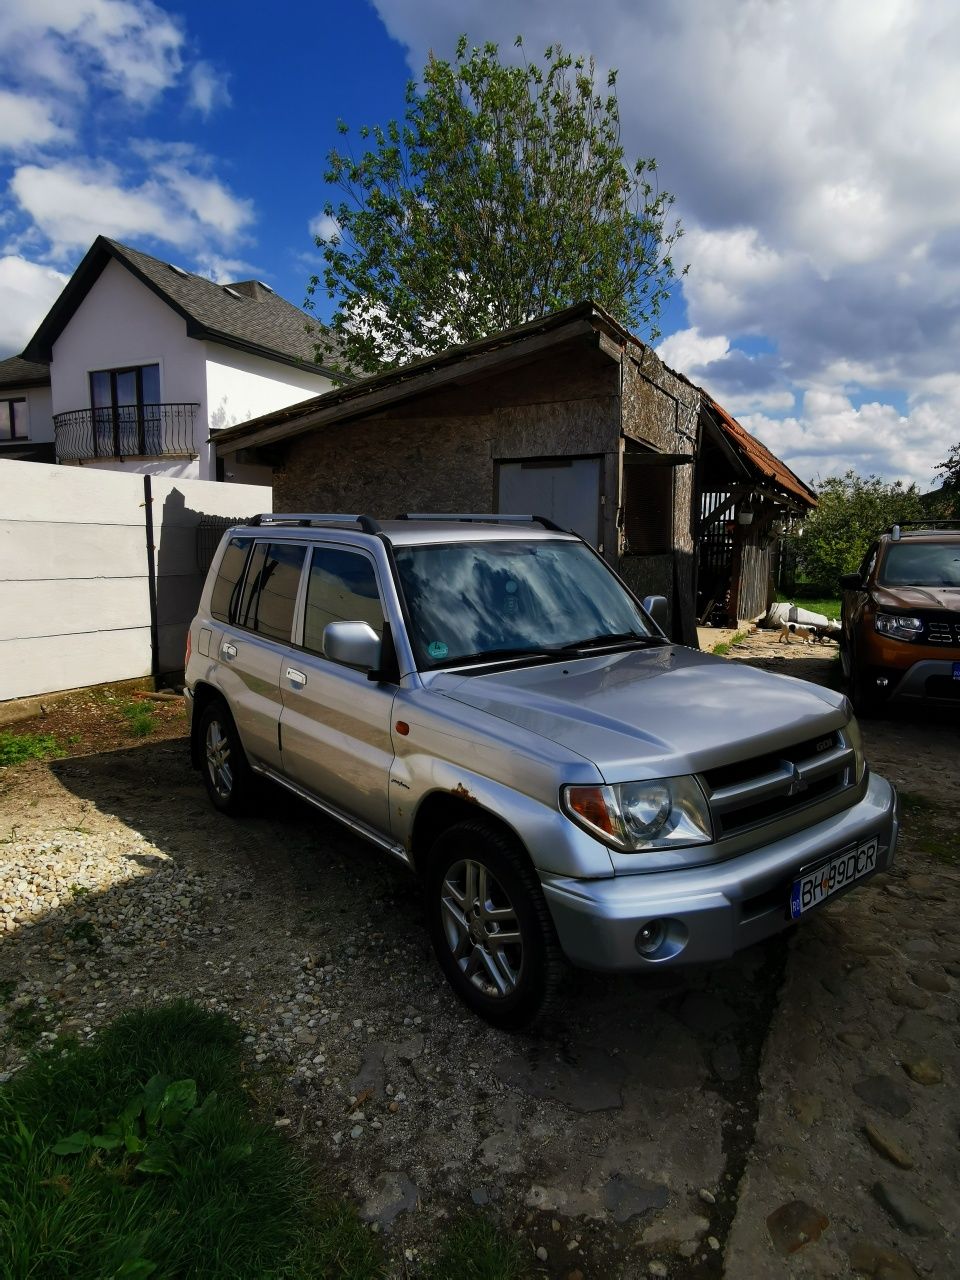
[651,1131]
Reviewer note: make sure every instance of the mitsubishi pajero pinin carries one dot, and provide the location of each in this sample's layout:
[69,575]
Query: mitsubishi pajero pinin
[485,699]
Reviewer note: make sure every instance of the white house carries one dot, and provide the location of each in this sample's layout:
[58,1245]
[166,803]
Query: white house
[147,361]
[26,416]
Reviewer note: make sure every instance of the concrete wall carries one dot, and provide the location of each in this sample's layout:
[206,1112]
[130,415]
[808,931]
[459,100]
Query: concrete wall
[74,600]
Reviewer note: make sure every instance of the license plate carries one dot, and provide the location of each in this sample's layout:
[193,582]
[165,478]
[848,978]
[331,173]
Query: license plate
[956,671]
[842,869]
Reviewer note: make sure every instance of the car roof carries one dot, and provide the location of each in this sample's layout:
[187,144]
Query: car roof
[408,533]
[923,535]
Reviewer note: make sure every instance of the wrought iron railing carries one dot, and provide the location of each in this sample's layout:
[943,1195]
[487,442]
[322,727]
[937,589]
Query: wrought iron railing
[126,431]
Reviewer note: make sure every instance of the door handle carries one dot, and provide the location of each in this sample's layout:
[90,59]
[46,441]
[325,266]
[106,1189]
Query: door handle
[296,676]
[228,650]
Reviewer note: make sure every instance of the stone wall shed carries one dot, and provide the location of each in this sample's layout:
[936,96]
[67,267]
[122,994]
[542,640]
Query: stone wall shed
[569,416]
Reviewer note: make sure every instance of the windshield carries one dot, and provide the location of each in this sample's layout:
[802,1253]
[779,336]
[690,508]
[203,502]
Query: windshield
[921,564]
[481,600]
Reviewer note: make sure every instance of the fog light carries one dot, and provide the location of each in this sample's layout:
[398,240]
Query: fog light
[882,682]
[651,937]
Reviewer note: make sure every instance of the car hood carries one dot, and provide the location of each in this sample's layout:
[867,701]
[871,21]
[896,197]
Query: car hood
[902,598]
[653,712]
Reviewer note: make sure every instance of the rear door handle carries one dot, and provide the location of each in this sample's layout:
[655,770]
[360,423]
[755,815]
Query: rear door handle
[228,650]
[296,676]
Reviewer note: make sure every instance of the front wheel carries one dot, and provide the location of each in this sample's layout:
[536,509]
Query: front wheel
[490,926]
[863,694]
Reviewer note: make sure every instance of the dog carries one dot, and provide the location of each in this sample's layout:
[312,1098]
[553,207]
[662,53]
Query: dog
[807,633]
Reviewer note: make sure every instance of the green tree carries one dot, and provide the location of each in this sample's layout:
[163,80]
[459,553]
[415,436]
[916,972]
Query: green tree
[504,194]
[948,471]
[851,511]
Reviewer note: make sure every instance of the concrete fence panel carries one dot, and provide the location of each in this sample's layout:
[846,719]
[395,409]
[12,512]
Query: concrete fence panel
[74,580]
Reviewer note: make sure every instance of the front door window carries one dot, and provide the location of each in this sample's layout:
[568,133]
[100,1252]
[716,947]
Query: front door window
[127,419]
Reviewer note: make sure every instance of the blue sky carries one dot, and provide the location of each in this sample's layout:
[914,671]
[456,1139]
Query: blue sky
[811,144]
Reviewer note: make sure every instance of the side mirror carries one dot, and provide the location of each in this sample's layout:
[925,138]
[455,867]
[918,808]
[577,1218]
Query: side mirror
[355,644]
[658,610]
[850,582]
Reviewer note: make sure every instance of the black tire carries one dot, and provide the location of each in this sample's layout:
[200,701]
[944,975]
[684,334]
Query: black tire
[866,701]
[228,782]
[510,985]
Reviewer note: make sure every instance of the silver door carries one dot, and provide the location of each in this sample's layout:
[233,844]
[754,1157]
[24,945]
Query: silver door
[253,646]
[567,490]
[336,723]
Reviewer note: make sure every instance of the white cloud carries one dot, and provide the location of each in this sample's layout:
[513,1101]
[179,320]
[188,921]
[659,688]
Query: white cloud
[812,146]
[688,350]
[72,203]
[132,46]
[27,291]
[226,270]
[27,123]
[323,226]
[209,88]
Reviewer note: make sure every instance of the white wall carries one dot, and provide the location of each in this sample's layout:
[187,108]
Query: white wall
[241,386]
[74,600]
[121,322]
[39,411]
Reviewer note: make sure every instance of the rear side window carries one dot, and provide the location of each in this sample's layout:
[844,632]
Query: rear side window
[342,587]
[223,599]
[270,593]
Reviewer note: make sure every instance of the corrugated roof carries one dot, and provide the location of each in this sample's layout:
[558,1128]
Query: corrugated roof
[759,456]
[252,317]
[17,372]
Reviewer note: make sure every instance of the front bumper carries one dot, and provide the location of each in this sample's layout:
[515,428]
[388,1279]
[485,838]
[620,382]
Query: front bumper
[930,681]
[715,910]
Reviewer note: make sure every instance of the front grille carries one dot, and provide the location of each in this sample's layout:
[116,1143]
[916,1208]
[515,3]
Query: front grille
[943,631]
[771,786]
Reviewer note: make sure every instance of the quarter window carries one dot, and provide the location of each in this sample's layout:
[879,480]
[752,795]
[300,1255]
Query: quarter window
[13,419]
[270,593]
[223,600]
[342,587]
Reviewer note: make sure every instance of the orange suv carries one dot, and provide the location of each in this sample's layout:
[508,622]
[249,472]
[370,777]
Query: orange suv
[901,618]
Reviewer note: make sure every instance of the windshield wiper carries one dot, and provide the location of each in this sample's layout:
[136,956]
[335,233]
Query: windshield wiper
[496,655]
[617,638]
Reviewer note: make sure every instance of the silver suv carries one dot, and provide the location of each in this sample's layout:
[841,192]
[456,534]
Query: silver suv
[486,700]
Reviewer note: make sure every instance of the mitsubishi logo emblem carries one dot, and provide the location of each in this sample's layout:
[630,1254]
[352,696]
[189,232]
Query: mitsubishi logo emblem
[798,784]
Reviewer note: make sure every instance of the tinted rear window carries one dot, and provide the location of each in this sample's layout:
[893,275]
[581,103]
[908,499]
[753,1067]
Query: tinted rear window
[223,601]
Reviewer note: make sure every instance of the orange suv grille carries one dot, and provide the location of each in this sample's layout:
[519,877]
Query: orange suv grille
[944,632]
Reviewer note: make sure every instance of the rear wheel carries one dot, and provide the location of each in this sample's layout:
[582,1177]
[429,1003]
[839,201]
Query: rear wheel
[490,926]
[226,772]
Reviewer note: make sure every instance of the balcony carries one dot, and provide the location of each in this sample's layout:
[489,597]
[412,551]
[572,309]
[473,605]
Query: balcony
[126,431]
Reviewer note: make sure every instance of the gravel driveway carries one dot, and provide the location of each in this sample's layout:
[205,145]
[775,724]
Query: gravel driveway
[800,1097]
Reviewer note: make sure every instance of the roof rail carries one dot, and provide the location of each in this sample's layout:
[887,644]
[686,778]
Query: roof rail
[919,526]
[474,518]
[305,519]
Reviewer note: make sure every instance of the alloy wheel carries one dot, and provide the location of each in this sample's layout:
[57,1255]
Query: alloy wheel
[218,760]
[481,928]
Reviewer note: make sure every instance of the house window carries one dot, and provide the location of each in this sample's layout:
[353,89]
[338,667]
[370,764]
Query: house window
[13,419]
[126,415]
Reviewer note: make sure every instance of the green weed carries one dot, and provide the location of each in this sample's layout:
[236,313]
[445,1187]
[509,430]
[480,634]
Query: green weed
[473,1249]
[16,748]
[232,1198]
[140,718]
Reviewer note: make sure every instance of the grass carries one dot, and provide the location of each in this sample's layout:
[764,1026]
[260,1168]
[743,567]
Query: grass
[724,646]
[240,1203]
[827,605]
[475,1250]
[16,748]
[140,718]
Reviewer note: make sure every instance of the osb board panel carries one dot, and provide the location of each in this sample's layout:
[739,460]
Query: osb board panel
[382,468]
[562,429]
[573,371]
[659,408]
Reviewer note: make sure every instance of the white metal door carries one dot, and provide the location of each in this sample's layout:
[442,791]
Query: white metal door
[566,490]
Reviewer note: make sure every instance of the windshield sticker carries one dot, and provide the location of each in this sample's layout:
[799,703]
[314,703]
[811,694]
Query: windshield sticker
[437,649]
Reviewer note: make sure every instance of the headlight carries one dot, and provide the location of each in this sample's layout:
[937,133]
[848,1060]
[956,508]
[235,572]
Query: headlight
[900,626]
[854,739]
[633,816]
